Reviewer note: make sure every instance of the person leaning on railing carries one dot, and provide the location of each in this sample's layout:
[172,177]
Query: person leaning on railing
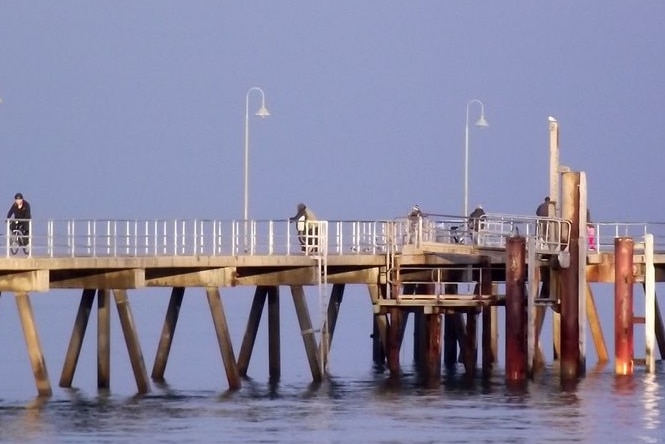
[543,211]
[307,233]
[20,209]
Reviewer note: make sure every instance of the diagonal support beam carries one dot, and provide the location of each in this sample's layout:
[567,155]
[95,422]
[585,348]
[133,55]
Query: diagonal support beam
[168,330]
[307,331]
[132,340]
[223,337]
[253,322]
[76,339]
[33,344]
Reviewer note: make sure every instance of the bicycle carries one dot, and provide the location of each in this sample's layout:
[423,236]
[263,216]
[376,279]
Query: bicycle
[17,239]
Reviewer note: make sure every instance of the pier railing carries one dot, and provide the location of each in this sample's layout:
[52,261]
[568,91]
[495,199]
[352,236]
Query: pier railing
[194,237]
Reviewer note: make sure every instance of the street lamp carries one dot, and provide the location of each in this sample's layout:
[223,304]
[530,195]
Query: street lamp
[262,112]
[481,123]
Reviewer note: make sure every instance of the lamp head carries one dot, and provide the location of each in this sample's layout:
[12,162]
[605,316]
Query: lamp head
[482,122]
[263,112]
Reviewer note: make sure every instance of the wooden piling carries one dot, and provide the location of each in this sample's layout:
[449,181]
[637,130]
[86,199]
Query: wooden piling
[252,328]
[223,337]
[168,330]
[76,339]
[432,358]
[571,357]
[132,340]
[623,306]
[33,345]
[516,346]
[103,339]
[274,336]
[449,334]
[394,341]
[307,332]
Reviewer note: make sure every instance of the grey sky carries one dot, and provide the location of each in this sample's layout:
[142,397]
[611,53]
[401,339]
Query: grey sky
[136,109]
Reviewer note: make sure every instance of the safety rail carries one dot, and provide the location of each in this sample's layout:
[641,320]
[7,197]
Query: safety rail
[601,238]
[489,231]
[147,238]
[136,238]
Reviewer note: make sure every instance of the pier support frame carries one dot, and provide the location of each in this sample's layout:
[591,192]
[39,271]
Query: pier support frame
[516,335]
[623,306]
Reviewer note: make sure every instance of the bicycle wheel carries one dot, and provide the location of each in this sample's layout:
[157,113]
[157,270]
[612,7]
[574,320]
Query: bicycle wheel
[14,241]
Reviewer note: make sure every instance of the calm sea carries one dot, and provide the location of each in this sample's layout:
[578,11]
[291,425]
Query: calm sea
[358,404]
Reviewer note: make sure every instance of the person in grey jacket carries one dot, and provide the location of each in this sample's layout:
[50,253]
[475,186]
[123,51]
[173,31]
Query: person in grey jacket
[307,234]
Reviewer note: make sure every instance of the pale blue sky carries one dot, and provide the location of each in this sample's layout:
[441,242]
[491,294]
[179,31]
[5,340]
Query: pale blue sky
[136,109]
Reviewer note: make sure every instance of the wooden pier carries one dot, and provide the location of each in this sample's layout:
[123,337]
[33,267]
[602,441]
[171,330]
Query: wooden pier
[411,267]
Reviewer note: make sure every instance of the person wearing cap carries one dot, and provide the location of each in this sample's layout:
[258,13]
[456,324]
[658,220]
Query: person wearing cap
[20,210]
[307,233]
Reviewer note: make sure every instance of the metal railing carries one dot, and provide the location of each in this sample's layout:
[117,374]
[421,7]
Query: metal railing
[141,238]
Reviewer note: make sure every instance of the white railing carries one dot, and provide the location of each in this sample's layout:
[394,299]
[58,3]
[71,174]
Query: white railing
[140,238]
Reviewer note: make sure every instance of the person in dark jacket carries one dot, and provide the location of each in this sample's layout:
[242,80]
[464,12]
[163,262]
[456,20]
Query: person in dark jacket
[20,210]
[543,211]
[475,219]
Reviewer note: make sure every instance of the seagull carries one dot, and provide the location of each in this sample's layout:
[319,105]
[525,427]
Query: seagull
[551,119]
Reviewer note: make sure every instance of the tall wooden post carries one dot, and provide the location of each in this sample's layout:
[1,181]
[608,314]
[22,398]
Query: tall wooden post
[570,295]
[516,339]
[623,305]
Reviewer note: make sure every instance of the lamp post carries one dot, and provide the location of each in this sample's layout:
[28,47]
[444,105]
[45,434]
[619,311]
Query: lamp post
[262,112]
[481,123]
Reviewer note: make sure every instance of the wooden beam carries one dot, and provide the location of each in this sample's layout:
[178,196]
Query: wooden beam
[32,343]
[274,337]
[103,339]
[168,330]
[223,337]
[24,281]
[307,332]
[100,279]
[253,322]
[595,327]
[76,339]
[189,277]
[132,340]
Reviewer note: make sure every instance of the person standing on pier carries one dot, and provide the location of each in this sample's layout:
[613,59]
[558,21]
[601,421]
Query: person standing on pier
[415,217]
[543,211]
[474,222]
[307,233]
[20,209]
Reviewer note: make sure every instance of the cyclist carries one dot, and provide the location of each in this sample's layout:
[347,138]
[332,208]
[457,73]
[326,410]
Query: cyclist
[20,209]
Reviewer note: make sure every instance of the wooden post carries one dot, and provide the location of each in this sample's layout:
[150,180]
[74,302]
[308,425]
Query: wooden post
[307,332]
[650,304]
[449,334]
[76,339]
[571,357]
[223,337]
[33,345]
[274,335]
[486,287]
[432,358]
[248,340]
[103,339]
[335,302]
[516,353]
[595,327]
[132,340]
[623,305]
[394,340]
[168,330]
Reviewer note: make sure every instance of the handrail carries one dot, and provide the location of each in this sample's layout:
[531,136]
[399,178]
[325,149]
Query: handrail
[205,237]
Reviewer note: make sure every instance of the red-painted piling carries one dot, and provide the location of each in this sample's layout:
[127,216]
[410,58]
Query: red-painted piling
[623,305]
[516,338]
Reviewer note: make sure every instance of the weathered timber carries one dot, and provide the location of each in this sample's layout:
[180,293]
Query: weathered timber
[76,339]
[103,339]
[307,332]
[274,336]
[132,340]
[168,330]
[32,342]
[253,322]
[223,337]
